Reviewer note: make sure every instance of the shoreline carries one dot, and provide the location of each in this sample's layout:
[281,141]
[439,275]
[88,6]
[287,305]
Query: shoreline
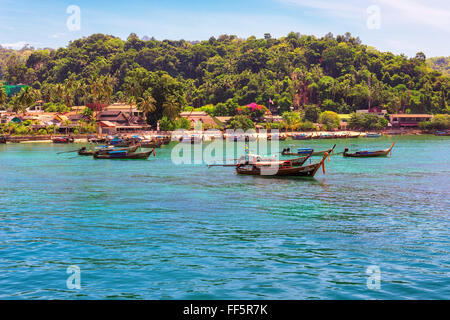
[84,138]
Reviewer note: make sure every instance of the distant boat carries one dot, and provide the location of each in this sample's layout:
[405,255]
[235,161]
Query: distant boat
[62,139]
[301,137]
[104,150]
[151,143]
[373,135]
[306,151]
[124,155]
[442,133]
[367,154]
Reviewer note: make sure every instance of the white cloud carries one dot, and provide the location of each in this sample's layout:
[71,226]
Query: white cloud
[57,35]
[435,14]
[15,45]
[407,13]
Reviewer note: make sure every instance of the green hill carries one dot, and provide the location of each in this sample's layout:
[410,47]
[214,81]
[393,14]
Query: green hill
[337,73]
[441,64]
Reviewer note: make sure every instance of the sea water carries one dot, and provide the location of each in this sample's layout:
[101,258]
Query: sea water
[373,228]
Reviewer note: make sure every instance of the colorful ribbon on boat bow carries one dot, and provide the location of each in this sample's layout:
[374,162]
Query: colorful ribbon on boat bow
[323,162]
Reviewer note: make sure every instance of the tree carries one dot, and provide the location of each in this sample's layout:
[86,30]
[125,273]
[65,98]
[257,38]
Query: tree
[3,96]
[27,98]
[330,120]
[291,119]
[146,104]
[311,113]
[337,73]
[241,122]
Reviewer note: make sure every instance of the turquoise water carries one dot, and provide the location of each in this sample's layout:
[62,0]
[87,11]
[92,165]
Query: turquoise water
[152,230]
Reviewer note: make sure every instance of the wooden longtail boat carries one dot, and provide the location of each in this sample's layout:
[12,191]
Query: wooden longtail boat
[258,160]
[62,139]
[442,133]
[367,154]
[304,151]
[276,137]
[373,135]
[85,152]
[124,155]
[285,169]
[166,140]
[151,144]
[301,137]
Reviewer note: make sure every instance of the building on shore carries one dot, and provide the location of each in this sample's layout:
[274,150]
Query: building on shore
[373,110]
[112,122]
[199,116]
[408,120]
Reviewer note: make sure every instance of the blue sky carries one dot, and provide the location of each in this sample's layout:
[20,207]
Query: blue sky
[403,26]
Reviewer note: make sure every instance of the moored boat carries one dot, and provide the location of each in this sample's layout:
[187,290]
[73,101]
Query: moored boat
[305,151]
[124,155]
[284,169]
[104,150]
[278,137]
[368,154]
[62,139]
[301,137]
[373,135]
[151,143]
[442,133]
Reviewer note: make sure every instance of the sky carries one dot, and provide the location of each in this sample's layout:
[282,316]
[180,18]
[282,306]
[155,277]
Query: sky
[398,26]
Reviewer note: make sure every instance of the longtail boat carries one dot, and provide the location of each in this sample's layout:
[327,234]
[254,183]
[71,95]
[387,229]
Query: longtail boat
[166,140]
[442,133]
[192,139]
[276,137]
[304,151]
[284,169]
[104,150]
[124,155]
[367,154]
[62,139]
[151,144]
[373,135]
[257,160]
[301,137]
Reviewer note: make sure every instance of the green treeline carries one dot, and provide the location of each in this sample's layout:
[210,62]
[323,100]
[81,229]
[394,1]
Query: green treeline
[165,77]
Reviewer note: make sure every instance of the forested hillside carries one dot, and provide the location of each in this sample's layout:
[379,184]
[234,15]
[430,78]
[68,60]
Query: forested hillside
[441,64]
[335,73]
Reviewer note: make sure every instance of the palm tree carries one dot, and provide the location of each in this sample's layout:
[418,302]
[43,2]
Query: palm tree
[170,107]
[146,104]
[27,98]
[16,105]
[132,91]
[3,96]
[67,123]
[57,93]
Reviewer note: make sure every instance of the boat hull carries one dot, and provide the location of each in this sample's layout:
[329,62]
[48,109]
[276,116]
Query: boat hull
[369,154]
[85,152]
[140,155]
[282,171]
